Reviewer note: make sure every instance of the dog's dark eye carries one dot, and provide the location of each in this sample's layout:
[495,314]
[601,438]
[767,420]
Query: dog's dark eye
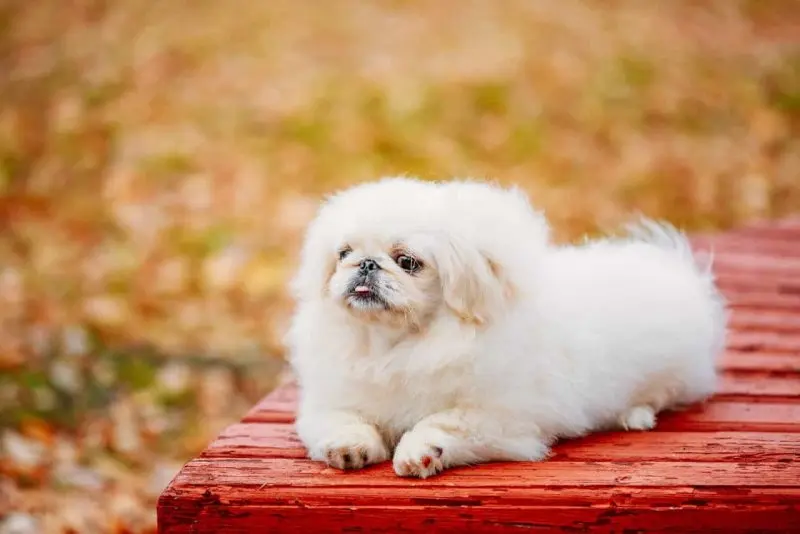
[344,252]
[408,263]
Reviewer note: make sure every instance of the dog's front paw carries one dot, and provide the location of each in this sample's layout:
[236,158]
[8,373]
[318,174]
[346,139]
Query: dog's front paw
[417,455]
[352,447]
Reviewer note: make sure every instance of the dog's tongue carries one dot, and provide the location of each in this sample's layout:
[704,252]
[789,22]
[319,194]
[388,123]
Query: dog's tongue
[363,289]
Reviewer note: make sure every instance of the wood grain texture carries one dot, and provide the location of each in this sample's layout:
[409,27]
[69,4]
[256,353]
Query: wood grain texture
[258,440]
[764,342]
[742,376]
[765,321]
[721,416]
[454,496]
[248,518]
[740,245]
[736,281]
[728,465]
[717,415]
[778,362]
[747,262]
[266,473]
[763,302]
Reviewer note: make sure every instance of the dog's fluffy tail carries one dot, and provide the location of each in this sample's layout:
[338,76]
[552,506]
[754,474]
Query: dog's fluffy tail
[666,236]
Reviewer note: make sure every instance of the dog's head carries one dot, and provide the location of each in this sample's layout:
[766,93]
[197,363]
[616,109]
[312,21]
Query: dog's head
[400,251]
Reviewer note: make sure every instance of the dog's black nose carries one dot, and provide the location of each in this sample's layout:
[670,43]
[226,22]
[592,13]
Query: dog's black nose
[368,265]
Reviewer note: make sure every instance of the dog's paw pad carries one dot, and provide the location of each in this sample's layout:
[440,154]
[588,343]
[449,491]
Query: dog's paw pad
[353,449]
[350,457]
[639,418]
[418,459]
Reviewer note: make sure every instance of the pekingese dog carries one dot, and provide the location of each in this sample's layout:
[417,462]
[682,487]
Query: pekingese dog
[438,326]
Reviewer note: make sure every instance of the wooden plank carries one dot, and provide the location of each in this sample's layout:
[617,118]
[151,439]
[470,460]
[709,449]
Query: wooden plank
[738,244]
[256,440]
[714,416]
[738,281]
[752,300]
[718,415]
[266,473]
[786,233]
[268,416]
[275,407]
[681,446]
[748,262]
[765,321]
[454,496]
[759,385]
[789,221]
[236,509]
[777,362]
[383,519]
[764,342]
[280,407]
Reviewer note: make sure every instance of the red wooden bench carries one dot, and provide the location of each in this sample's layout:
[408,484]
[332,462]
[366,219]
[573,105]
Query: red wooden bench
[730,465]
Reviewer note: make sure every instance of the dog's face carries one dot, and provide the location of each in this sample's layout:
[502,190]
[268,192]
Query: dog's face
[385,280]
[400,252]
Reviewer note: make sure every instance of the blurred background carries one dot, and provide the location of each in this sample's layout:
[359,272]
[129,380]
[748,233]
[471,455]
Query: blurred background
[160,159]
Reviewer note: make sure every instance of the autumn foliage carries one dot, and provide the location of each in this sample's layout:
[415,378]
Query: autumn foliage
[159,160]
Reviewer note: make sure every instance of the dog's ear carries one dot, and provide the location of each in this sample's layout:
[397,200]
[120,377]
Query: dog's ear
[473,285]
[317,263]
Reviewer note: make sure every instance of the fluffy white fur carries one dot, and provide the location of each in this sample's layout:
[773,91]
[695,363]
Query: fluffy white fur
[501,342]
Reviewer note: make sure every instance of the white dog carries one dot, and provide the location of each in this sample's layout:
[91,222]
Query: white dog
[438,324]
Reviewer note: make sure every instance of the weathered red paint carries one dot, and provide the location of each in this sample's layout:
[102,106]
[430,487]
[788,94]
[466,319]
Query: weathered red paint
[730,465]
